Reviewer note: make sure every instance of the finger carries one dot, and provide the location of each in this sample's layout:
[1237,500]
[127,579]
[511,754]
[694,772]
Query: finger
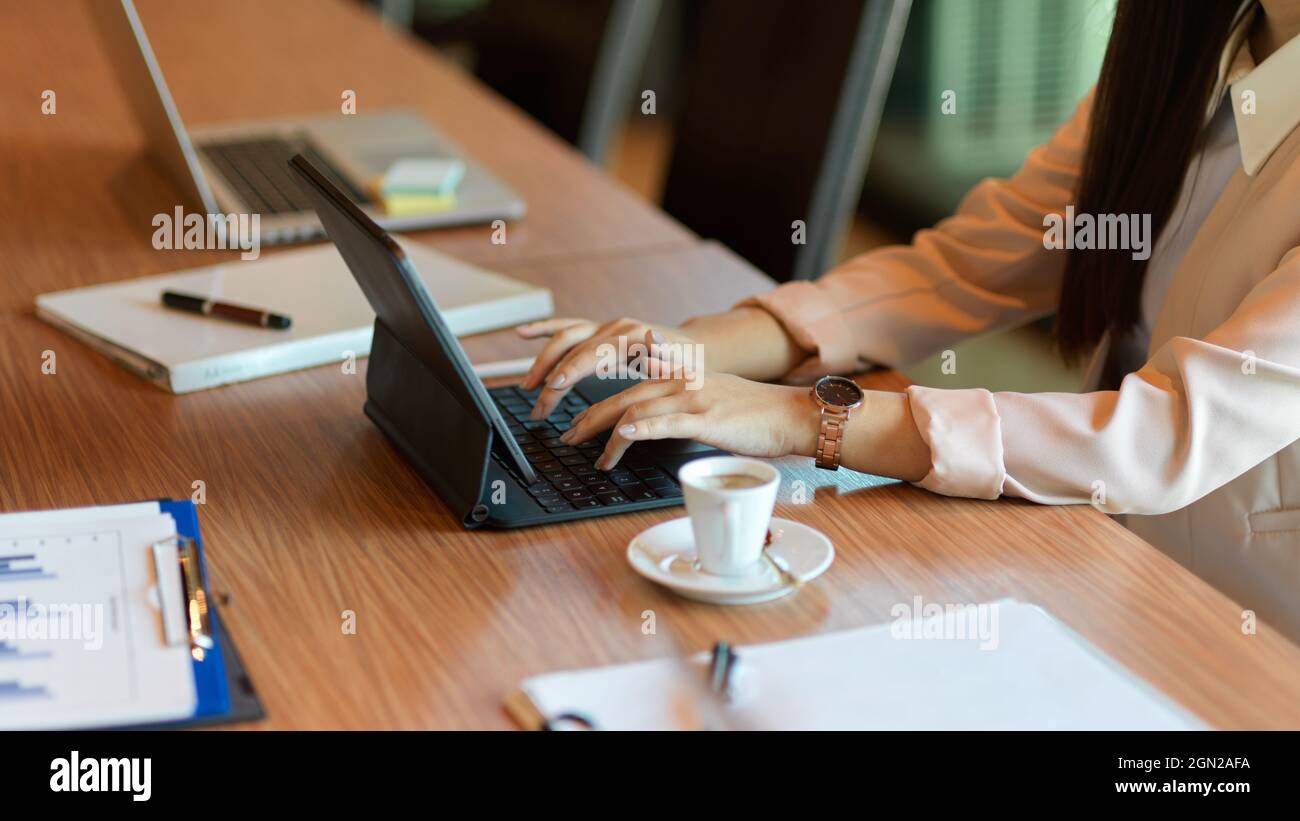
[580,362]
[602,415]
[546,327]
[628,432]
[656,345]
[561,341]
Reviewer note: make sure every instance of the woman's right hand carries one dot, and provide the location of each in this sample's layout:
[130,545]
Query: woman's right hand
[575,348]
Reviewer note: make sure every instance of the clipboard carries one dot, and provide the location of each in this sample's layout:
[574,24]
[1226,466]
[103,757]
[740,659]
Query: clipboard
[224,691]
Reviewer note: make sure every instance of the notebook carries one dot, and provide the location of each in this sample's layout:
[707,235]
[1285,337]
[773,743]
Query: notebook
[105,621]
[1029,672]
[332,322]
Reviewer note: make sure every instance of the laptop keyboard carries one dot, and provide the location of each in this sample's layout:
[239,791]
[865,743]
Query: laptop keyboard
[258,171]
[567,477]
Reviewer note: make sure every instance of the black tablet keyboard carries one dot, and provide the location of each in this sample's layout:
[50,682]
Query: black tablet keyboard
[567,477]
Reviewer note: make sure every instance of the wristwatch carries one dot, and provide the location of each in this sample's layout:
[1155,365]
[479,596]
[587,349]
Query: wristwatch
[836,396]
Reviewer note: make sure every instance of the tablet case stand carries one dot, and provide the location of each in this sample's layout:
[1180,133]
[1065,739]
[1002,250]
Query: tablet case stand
[443,435]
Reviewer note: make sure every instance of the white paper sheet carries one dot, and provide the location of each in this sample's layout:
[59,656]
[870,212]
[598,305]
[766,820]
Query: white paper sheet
[81,640]
[1037,674]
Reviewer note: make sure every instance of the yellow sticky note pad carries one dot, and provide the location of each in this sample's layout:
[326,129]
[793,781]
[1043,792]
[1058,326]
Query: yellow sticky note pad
[405,205]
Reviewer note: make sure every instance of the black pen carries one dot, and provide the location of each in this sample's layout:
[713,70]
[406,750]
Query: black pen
[238,313]
[721,667]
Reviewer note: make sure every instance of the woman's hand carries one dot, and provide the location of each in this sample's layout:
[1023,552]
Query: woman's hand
[725,411]
[575,348]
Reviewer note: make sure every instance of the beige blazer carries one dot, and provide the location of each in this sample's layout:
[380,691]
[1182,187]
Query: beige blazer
[1200,445]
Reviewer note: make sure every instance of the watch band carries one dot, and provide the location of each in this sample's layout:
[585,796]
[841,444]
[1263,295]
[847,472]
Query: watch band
[828,441]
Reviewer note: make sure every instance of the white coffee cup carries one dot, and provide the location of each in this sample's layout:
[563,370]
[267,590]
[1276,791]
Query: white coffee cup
[729,523]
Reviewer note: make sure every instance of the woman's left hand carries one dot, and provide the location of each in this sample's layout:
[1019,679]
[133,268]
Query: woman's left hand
[721,410]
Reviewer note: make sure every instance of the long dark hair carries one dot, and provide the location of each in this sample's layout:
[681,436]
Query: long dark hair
[1155,87]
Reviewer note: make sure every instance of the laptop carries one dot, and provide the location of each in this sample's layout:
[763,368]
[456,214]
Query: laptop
[477,447]
[242,168]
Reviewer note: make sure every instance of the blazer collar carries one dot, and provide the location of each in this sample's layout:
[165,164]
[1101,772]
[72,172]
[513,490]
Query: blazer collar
[1265,98]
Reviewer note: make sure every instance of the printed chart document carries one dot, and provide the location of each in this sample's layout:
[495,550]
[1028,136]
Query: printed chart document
[1028,672]
[81,632]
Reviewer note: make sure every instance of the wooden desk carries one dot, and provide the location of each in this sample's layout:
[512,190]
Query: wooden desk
[310,512]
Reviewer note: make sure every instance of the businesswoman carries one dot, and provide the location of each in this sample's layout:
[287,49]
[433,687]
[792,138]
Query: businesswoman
[1192,418]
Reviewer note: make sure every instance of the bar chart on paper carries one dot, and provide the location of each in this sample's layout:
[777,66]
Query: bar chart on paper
[80,634]
[60,599]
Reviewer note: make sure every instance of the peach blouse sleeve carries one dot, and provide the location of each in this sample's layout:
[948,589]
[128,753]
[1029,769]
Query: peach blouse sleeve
[1190,420]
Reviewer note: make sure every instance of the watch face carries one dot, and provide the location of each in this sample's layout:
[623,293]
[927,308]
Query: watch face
[839,392]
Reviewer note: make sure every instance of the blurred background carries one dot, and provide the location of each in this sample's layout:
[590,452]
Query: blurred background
[865,120]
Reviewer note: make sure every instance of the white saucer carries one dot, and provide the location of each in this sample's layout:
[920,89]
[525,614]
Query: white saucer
[665,554]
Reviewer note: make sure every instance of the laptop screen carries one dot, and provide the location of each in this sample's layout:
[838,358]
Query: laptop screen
[146,92]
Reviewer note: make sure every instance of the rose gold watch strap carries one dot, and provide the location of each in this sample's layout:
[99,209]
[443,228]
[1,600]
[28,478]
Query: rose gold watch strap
[828,441]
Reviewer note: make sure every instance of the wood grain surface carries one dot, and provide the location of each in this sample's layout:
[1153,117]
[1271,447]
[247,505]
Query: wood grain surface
[310,512]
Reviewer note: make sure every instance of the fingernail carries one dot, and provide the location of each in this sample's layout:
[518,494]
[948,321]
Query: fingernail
[601,462]
[559,381]
[567,436]
[627,430]
[577,417]
[657,337]
[536,413]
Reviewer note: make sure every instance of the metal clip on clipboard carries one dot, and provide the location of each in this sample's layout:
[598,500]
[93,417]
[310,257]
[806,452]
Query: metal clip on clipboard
[182,596]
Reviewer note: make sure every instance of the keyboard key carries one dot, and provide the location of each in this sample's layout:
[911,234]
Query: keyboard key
[577,495]
[539,455]
[590,479]
[559,507]
[623,479]
[570,485]
[557,474]
[649,473]
[599,487]
[564,450]
[638,493]
[574,460]
[537,424]
[612,498]
[531,447]
[547,467]
[585,503]
[553,442]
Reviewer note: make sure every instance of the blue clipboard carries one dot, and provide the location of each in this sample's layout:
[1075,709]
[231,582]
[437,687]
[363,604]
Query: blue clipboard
[210,681]
[221,685]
